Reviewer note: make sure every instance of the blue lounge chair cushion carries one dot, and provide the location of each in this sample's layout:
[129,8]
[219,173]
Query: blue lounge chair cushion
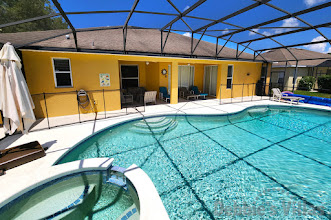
[197,92]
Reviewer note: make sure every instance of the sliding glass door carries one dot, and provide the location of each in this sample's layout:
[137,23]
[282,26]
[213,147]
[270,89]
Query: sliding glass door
[210,80]
[185,76]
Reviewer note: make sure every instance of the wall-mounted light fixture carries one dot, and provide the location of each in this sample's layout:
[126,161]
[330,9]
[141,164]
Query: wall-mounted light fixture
[147,63]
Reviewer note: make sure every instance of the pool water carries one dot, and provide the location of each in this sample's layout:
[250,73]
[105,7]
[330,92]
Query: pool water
[79,196]
[264,162]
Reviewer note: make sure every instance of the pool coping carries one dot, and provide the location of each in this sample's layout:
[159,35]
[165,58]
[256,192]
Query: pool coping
[151,205]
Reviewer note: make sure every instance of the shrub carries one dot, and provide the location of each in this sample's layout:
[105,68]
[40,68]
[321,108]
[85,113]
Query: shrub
[324,83]
[306,83]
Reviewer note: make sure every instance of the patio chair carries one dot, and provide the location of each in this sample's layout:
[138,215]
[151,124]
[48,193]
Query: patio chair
[126,98]
[150,96]
[184,93]
[137,93]
[164,94]
[278,95]
[196,91]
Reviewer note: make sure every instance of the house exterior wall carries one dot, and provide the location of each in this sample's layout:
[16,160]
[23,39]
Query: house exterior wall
[289,74]
[86,68]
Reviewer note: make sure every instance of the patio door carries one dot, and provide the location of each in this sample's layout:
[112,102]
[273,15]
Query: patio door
[185,76]
[210,80]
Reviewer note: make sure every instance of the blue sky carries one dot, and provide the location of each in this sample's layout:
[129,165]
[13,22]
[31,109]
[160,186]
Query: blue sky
[212,9]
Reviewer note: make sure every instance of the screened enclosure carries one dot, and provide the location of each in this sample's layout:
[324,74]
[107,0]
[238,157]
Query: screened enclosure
[247,26]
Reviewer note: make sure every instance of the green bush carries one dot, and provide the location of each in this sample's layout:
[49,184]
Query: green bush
[306,83]
[324,83]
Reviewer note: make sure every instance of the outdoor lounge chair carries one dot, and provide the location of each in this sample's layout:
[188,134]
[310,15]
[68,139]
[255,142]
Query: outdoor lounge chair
[197,92]
[278,95]
[16,156]
[164,94]
[150,96]
[184,93]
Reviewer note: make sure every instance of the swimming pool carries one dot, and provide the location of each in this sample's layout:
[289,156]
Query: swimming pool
[271,162]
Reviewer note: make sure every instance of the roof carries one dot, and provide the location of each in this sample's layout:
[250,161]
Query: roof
[306,57]
[107,39]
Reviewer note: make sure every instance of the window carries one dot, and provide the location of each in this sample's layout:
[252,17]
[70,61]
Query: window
[129,76]
[62,72]
[185,76]
[281,77]
[229,77]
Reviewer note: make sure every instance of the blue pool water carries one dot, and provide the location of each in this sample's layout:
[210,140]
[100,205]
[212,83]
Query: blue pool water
[264,162]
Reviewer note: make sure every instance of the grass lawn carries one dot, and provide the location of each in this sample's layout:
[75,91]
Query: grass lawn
[317,94]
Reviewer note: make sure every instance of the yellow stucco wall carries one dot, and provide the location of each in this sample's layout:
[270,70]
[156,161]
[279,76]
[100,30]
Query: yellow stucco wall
[85,70]
[246,73]
[87,66]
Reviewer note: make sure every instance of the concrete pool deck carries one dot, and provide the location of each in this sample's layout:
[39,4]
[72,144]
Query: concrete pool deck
[60,139]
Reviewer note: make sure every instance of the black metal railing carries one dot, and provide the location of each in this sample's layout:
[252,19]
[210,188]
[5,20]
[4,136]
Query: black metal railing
[46,106]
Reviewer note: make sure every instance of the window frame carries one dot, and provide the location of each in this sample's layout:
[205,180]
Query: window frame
[137,65]
[54,72]
[227,77]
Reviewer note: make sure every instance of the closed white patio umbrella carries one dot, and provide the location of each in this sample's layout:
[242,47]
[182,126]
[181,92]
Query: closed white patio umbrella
[15,99]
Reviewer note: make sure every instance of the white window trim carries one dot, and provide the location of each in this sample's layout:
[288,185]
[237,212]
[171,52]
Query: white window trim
[227,77]
[129,77]
[193,73]
[54,72]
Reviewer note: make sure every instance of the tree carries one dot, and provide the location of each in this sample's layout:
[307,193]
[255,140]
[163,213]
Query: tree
[16,10]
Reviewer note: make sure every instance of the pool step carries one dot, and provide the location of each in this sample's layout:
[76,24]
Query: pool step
[158,126]
[163,123]
[71,203]
[155,120]
[118,181]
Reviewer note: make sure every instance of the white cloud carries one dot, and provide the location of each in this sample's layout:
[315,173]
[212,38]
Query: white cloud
[329,51]
[252,33]
[318,47]
[186,7]
[266,33]
[225,31]
[187,34]
[310,3]
[290,22]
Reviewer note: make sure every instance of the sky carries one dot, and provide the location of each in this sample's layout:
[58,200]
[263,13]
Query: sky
[212,9]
